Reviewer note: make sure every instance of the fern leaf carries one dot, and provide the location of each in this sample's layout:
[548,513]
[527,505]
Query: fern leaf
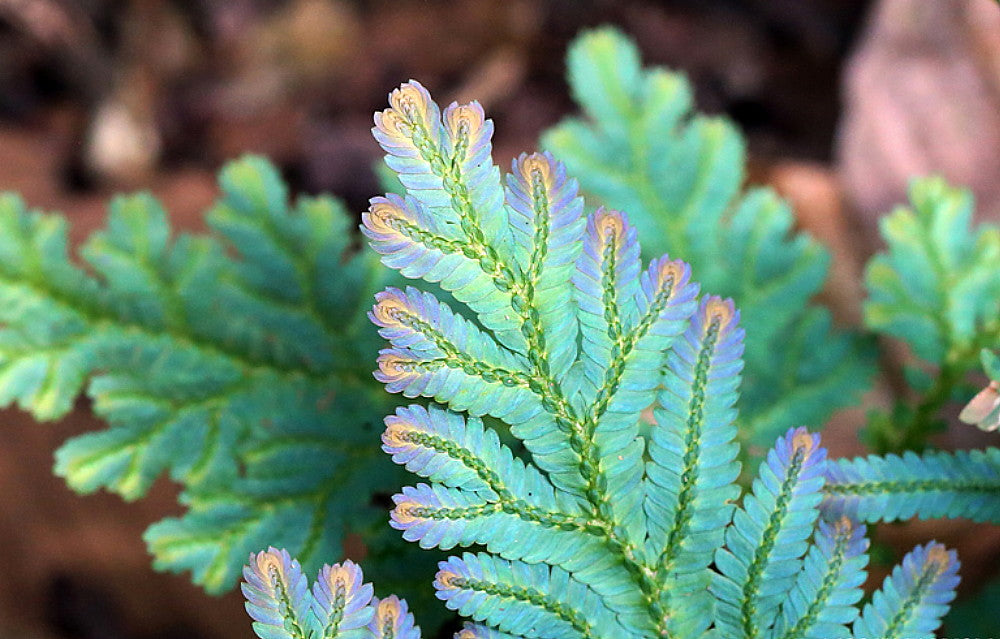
[627,323]
[460,453]
[445,166]
[897,487]
[530,600]
[823,599]
[442,355]
[769,535]
[604,525]
[341,600]
[216,360]
[392,619]
[937,287]
[419,243]
[547,224]
[339,605]
[277,596]
[488,497]
[914,598]
[639,149]
[692,448]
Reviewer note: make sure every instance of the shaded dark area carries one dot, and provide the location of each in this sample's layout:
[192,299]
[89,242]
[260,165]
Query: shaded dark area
[195,82]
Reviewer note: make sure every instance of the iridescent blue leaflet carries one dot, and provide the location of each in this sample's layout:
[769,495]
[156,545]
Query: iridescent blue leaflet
[610,521]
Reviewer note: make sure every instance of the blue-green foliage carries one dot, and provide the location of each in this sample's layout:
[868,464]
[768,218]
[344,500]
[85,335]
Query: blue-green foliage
[934,484]
[616,521]
[338,606]
[922,586]
[231,361]
[639,148]
[937,288]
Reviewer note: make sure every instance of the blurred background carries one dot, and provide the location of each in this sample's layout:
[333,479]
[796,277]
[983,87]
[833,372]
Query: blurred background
[841,101]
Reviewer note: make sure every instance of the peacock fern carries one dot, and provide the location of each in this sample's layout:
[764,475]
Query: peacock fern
[611,524]
[230,361]
[638,147]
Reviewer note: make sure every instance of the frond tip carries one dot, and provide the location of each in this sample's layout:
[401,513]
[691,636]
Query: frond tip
[277,594]
[914,598]
[339,606]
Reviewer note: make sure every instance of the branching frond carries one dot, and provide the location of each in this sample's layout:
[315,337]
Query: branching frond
[937,287]
[339,606]
[229,361]
[768,536]
[822,600]
[613,521]
[639,148]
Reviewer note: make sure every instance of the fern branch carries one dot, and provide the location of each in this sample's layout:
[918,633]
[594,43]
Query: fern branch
[544,598]
[768,535]
[830,583]
[914,597]
[895,487]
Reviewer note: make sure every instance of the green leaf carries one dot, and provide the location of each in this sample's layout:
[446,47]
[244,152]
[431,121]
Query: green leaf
[611,522]
[937,287]
[678,175]
[234,362]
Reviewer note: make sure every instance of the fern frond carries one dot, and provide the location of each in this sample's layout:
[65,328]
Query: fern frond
[392,619]
[277,596]
[692,449]
[339,606]
[627,322]
[341,599]
[487,496]
[424,244]
[914,598]
[937,287]
[833,571]
[530,600]
[229,361]
[769,535]
[547,225]
[962,484]
[442,355]
[606,525]
[640,149]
